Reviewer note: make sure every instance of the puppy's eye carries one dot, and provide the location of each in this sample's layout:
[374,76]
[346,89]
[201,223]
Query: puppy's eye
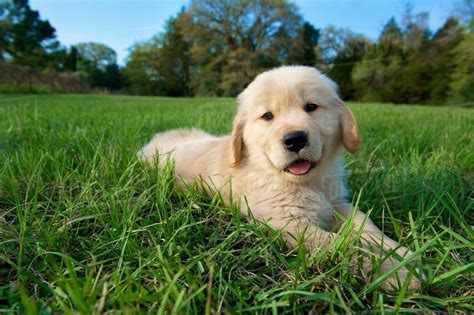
[310,107]
[267,116]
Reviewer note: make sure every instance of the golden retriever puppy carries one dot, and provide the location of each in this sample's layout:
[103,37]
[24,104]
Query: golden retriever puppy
[283,156]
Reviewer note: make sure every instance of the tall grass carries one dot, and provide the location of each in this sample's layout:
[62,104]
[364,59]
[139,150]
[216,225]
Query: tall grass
[86,227]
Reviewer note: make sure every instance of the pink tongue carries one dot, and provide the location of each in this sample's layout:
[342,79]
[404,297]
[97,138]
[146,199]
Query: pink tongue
[299,167]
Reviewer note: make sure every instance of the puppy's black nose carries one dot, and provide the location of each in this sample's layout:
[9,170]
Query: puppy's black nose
[295,140]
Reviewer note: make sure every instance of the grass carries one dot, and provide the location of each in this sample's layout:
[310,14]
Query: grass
[85,227]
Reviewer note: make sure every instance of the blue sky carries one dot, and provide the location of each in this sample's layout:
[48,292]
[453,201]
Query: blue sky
[120,23]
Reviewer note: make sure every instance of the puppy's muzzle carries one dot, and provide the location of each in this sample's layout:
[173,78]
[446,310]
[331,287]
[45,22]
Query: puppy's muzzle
[295,140]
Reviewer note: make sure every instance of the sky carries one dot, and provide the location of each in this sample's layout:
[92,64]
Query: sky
[121,23]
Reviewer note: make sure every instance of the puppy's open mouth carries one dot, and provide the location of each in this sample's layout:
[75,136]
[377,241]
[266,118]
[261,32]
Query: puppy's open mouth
[300,167]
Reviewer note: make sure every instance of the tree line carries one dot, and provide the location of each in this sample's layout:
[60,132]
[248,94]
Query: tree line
[216,47]
[31,57]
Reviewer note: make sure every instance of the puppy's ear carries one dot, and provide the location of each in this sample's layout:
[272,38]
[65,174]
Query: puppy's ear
[237,141]
[350,133]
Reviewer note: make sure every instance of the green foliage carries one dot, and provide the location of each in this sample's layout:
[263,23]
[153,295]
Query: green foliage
[95,55]
[25,38]
[244,37]
[442,59]
[23,79]
[408,65]
[87,228]
[303,47]
[375,76]
[140,72]
[218,47]
[97,63]
[30,42]
[25,88]
[161,65]
[342,50]
[464,11]
[462,84]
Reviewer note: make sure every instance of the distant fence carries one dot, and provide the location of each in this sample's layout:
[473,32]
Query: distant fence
[21,79]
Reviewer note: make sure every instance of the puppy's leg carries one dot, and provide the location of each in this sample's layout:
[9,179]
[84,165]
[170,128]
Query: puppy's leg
[314,238]
[378,243]
[372,239]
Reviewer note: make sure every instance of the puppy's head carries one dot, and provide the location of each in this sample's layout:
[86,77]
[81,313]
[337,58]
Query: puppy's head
[291,121]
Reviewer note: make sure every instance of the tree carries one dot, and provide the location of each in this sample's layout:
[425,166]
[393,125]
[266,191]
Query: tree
[442,59]
[5,29]
[391,39]
[141,74]
[373,75]
[332,41]
[415,29]
[95,55]
[175,60]
[353,50]
[464,11]
[248,24]
[245,34]
[161,66]
[303,50]
[25,38]
[70,60]
[396,68]
[98,65]
[217,47]
[336,54]
[462,84]
[417,71]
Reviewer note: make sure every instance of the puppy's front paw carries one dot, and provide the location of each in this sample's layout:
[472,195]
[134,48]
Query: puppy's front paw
[396,281]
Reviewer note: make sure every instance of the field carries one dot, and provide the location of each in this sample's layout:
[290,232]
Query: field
[86,227]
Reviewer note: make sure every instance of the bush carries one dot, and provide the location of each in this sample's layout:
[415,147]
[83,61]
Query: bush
[22,79]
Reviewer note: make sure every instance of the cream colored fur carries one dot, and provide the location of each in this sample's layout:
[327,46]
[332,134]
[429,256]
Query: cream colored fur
[251,161]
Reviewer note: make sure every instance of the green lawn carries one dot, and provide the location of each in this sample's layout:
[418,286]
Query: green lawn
[85,227]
